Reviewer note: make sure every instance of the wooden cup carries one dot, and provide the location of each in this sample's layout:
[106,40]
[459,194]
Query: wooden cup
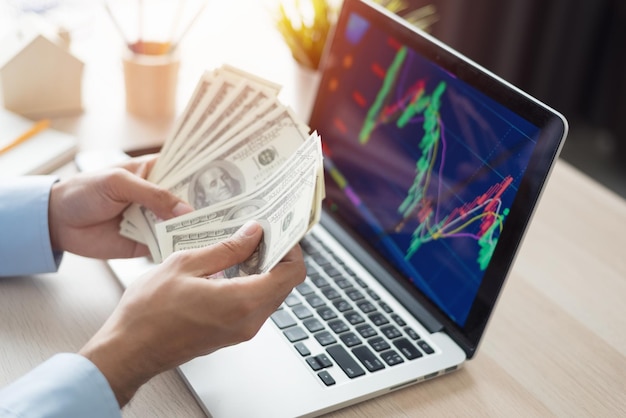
[151,81]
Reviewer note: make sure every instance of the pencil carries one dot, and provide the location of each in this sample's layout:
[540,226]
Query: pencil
[32,131]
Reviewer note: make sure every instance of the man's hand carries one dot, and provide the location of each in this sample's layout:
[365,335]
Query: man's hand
[175,313]
[85,210]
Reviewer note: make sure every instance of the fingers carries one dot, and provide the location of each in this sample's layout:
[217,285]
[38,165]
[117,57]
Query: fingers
[128,187]
[140,166]
[206,261]
[287,274]
[272,288]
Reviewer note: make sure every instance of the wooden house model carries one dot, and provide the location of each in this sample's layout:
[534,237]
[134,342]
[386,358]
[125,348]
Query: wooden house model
[39,76]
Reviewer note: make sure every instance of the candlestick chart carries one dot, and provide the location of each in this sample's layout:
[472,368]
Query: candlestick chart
[484,214]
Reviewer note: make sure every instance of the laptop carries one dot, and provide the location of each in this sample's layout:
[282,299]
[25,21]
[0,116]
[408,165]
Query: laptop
[433,169]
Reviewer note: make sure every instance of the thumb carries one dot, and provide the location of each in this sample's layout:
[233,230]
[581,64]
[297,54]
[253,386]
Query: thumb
[236,249]
[132,188]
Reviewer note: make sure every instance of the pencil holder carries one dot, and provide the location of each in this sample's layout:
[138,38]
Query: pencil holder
[151,81]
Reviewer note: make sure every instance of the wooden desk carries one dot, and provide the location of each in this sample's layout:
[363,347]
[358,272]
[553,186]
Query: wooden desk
[557,342]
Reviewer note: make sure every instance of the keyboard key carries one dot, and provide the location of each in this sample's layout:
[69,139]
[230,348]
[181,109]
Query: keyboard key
[425,347]
[350,339]
[385,307]
[324,338]
[366,331]
[320,259]
[283,319]
[366,306]
[313,325]
[305,289]
[411,333]
[398,320]
[326,313]
[407,349]
[338,326]
[354,294]
[373,294]
[378,343]
[302,349]
[342,305]
[313,363]
[378,319]
[391,332]
[332,271]
[349,366]
[360,282]
[323,360]
[292,300]
[302,312]
[369,359]
[343,283]
[391,358]
[353,317]
[294,334]
[330,293]
[315,301]
[326,378]
[318,280]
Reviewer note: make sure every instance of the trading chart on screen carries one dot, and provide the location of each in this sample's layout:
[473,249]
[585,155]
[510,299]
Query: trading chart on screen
[422,164]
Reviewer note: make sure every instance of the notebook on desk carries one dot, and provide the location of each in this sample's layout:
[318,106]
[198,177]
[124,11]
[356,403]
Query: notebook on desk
[36,153]
[434,167]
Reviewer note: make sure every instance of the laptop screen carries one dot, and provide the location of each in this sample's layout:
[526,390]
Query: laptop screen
[422,159]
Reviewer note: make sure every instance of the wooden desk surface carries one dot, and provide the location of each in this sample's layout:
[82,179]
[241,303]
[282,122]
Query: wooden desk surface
[556,344]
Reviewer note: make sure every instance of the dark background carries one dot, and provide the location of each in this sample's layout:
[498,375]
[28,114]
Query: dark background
[570,54]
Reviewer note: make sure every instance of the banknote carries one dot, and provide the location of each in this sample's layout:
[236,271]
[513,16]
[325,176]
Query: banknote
[303,164]
[245,96]
[268,85]
[210,102]
[284,224]
[188,123]
[201,89]
[235,169]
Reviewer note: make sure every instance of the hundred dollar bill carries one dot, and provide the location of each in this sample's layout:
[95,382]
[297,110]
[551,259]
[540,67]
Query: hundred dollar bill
[202,88]
[196,101]
[303,165]
[227,128]
[245,95]
[274,88]
[254,154]
[218,93]
[229,132]
[284,224]
[237,169]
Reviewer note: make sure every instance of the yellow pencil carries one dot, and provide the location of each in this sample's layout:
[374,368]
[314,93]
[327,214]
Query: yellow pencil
[32,131]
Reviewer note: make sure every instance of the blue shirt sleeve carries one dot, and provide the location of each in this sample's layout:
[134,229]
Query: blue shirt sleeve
[65,386]
[25,245]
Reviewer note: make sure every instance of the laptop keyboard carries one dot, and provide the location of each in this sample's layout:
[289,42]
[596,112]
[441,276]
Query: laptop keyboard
[359,332]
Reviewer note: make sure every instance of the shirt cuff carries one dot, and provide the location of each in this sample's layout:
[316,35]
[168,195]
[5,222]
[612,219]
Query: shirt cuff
[67,385]
[25,248]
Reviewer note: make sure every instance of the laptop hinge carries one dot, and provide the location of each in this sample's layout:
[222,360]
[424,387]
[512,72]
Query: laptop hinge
[406,295]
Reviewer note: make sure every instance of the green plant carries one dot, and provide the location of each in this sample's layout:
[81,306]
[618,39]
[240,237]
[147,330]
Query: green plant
[305,24]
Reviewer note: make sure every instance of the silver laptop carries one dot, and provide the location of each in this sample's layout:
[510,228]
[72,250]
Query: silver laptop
[434,167]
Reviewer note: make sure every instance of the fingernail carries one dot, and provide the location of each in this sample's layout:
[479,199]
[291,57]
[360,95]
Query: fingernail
[249,228]
[181,208]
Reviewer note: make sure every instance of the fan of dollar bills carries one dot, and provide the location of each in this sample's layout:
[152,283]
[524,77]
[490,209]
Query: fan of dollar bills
[235,154]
